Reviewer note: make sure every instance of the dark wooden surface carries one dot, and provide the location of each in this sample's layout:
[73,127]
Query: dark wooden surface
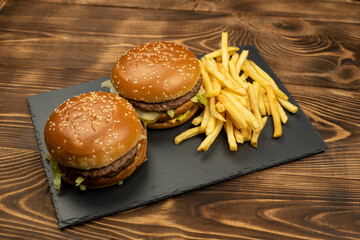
[313,47]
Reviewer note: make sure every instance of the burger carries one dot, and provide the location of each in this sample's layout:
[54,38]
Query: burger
[161,80]
[94,140]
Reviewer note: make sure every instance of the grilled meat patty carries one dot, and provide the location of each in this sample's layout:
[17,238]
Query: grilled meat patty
[167,105]
[109,170]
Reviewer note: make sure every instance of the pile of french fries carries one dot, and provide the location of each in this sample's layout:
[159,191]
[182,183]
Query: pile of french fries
[239,103]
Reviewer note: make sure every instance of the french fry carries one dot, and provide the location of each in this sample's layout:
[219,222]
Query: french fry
[234,58]
[205,117]
[247,105]
[274,111]
[243,77]
[246,133]
[212,63]
[266,101]
[210,124]
[224,52]
[239,98]
[256,133]
[229,129]
[231,109]
[234,121]
[208,85]
[245,113]
[214,71]
[236,76]
[259,97]
[230,83]
[238,136]
[213,110]
[254,104]
[208,141]
[218,52]
[244,54]
[219,58]
[283,116]
[216,85]
[220,107]
[288,106]
[262,72]
[196,121]
[264,76]
[187,134]
[263,82]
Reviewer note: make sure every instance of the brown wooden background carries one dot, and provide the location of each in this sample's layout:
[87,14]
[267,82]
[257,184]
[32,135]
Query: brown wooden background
[313,47]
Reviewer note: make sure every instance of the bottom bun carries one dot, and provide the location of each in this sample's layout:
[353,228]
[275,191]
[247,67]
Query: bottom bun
[165,125]
[102,182]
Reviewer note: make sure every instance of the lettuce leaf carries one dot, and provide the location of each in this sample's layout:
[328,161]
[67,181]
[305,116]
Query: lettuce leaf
[108,84]
[200,97]
[170,113]
[56,171]
[182,116]
[79,180]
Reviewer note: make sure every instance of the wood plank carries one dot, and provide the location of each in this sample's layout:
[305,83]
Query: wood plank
[300,51]
[267,204]
[345,10]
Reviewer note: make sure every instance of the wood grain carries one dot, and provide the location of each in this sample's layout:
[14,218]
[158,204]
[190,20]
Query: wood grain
[313,47]
[94,43]
[293,8]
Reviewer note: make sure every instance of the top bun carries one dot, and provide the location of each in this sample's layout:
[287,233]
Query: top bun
[155,72]
[92,130]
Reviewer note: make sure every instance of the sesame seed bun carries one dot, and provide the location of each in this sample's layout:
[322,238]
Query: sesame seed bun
[92,131]
[157,77]
[155,72]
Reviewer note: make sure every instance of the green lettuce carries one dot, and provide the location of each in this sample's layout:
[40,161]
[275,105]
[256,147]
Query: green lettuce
[56,171]
[170,113]
[108,84]
[79,180]
[200,97]
[183,116]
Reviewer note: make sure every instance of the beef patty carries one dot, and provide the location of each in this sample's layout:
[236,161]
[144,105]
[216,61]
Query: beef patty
[109,170]
[167,105]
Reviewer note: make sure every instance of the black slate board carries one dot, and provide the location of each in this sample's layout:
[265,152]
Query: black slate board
[172,169]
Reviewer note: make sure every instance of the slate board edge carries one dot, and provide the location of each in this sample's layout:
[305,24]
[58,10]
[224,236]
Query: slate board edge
[48,172]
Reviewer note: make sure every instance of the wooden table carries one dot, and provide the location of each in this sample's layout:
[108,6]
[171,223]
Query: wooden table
[313,47]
